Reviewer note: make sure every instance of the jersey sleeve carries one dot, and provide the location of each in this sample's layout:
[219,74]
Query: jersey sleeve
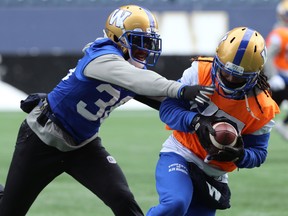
[176,114]
[114,69]
[255,150]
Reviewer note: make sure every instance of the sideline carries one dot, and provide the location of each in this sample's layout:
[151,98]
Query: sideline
[10,98]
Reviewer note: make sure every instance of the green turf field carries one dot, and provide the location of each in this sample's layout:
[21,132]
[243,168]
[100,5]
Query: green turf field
[134,138]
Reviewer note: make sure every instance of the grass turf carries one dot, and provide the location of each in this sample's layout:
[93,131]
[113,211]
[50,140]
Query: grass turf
[134,138]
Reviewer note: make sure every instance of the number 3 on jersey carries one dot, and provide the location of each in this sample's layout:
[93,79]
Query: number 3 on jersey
[102,105]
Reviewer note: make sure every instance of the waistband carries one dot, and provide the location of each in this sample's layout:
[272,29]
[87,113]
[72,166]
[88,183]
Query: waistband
[48,114]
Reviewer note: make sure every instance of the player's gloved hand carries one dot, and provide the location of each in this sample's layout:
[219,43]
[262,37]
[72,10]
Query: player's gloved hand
[203,127]
[199,94]
[31,101]
[231,154]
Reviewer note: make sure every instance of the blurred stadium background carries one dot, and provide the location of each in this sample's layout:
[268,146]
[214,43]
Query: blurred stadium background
[41,39]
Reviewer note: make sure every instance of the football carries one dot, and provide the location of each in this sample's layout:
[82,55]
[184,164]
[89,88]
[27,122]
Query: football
[225,135]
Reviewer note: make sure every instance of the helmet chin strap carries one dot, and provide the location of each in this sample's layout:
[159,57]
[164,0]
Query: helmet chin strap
[227,91]
[248,108]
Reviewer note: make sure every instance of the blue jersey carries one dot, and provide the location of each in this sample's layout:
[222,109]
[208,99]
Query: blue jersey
[80,103]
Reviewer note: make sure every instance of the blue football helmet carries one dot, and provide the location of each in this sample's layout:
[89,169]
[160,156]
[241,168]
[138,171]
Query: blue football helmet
[239,58]
[135,30]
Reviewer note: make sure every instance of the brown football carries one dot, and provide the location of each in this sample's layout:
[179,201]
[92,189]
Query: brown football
[226,135]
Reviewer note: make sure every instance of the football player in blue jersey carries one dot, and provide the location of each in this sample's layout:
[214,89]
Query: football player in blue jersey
[60,133]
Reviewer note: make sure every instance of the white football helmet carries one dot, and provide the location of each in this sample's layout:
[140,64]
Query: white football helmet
[135,30]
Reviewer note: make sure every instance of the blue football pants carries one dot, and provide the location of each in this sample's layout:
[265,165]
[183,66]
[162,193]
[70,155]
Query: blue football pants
[175,189]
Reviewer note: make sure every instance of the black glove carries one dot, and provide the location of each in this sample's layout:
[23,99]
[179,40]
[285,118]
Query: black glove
[232,154]
[31,101]
[203,127]
[197,93]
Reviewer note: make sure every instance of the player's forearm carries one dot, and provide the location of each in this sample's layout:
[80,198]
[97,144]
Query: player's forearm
[176,114]
[115,70]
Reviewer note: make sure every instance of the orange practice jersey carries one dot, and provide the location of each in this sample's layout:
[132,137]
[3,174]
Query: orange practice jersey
[235,108]
[281,59]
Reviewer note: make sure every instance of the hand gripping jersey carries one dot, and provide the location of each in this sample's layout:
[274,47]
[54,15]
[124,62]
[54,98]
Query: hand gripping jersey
[236,110]
[80,103]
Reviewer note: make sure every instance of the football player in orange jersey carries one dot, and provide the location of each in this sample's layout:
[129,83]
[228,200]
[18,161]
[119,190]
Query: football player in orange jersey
[191,179]
[276,67]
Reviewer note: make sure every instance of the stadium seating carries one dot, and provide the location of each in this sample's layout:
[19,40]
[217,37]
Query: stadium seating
[87,3]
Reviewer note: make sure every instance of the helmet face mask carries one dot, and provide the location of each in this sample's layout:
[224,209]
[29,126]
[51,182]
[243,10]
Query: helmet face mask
[143,47]
[135,30]
[233,90]
[239,59]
